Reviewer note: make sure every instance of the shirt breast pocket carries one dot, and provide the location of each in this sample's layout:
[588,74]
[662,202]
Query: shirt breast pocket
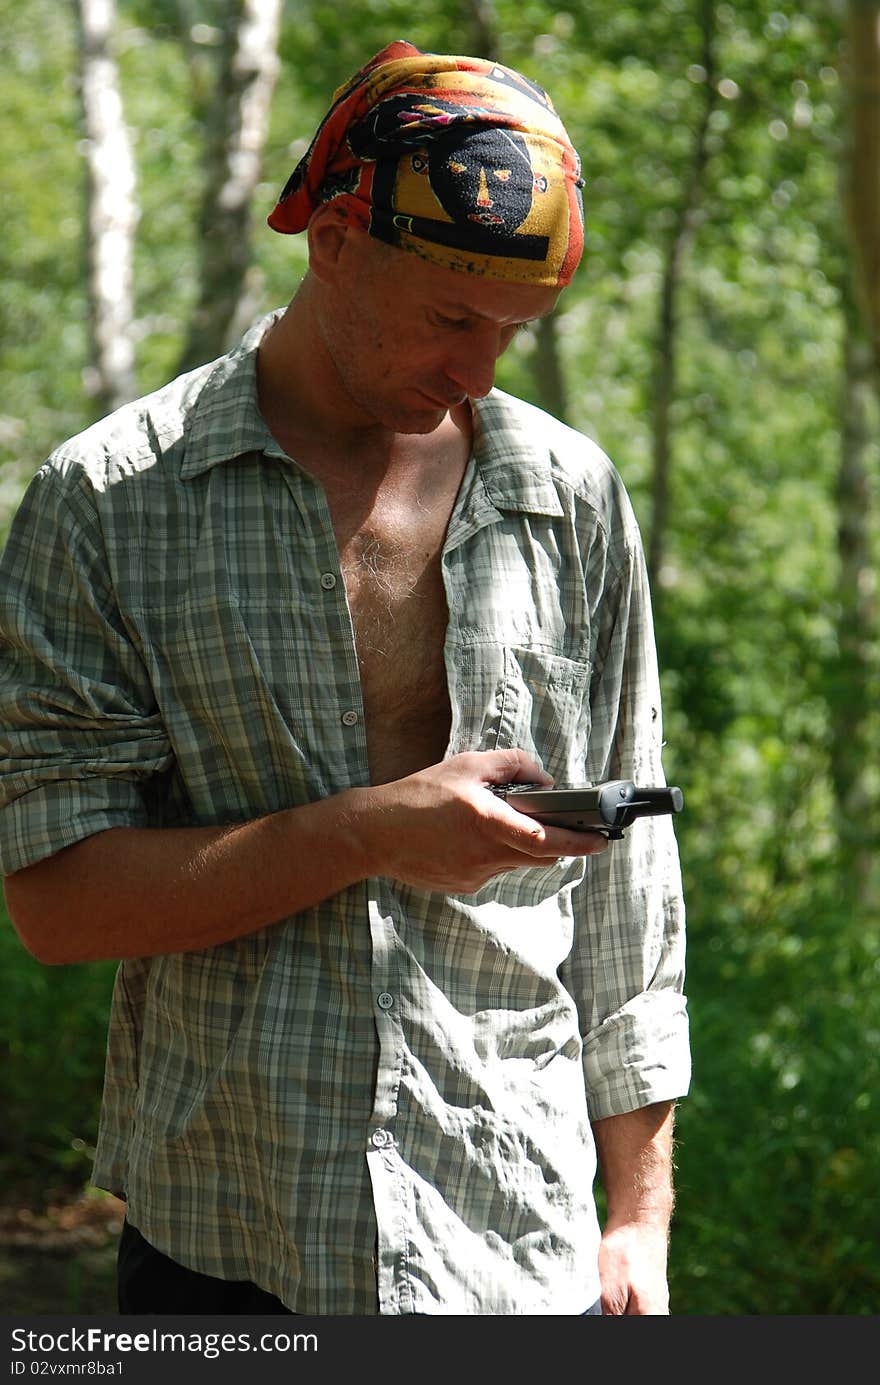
[526,697]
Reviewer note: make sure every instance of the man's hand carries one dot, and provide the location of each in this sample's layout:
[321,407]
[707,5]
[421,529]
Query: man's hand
[441,829]
[632,1270]
[635,1158]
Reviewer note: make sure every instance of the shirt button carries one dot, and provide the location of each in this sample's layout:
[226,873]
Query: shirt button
[381,1139]
[349,718]
[328,581]
[385,1000]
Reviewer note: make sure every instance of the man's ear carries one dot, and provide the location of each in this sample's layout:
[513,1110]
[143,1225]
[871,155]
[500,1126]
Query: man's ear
[328,231]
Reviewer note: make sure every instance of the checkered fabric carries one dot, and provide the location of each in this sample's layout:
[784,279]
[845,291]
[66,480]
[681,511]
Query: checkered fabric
[381,1104]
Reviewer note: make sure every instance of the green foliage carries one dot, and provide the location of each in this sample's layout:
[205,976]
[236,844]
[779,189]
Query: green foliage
[777,1209]
[42,298]
[53,1029]
[777,1192]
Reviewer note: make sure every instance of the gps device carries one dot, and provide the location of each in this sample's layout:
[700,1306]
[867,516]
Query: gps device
[609,808]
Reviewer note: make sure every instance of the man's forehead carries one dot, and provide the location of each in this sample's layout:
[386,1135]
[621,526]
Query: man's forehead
[452,291]
[518,302]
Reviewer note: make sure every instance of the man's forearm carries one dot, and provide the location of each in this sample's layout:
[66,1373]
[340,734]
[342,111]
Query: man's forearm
[635,1160]
[136,892]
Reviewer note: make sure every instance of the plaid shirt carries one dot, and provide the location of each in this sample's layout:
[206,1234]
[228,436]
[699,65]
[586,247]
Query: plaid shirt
[383,1103]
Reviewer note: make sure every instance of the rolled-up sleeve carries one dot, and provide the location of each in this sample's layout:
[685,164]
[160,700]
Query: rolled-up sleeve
[626,969]
[80,731]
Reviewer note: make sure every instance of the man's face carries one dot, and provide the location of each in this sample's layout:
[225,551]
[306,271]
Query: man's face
[409,340]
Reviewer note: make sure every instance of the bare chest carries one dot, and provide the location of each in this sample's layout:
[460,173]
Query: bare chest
[390,539]
[390,515]
[393,580]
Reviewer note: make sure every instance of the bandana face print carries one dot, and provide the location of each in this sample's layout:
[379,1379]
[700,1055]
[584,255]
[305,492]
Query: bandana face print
[458,160]
[487,178]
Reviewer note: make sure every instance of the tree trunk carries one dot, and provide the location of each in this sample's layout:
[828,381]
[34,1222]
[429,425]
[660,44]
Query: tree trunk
[852,681]
[548,374]
[852,697]
[862,197]
[111,208]
[198,49]
[484,28]
[235,137]
[666,342]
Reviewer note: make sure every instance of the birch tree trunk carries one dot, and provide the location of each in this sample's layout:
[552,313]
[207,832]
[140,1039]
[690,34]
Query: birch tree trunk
[666,342]
[236,134]
[111,207]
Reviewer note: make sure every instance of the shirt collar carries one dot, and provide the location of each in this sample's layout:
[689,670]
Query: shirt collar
[226,421]
[515,469]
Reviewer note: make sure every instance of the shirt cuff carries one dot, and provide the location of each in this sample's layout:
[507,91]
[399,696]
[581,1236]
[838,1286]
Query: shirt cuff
[638,1055]
[49,817]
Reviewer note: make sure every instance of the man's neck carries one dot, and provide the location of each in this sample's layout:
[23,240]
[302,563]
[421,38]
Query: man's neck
[296,387]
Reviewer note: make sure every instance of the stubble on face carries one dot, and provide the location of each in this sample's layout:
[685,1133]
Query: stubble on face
[356,327]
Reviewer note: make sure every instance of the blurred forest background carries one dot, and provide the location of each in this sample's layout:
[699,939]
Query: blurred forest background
[720,343]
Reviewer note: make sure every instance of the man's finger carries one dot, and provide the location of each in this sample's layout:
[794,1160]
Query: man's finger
[556,842]
[510,766]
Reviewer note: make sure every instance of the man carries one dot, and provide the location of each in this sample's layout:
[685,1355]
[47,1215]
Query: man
[270,637]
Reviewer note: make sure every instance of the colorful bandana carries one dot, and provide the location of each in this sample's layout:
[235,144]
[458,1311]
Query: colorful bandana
[457,159]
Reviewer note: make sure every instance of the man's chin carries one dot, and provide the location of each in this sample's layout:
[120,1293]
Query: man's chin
[423,419]
[414,412]
[426,423]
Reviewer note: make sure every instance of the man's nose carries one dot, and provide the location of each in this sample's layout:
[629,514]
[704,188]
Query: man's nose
[472,361]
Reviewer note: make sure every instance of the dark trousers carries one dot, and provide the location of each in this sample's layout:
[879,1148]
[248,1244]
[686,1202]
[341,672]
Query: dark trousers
[150,1282]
